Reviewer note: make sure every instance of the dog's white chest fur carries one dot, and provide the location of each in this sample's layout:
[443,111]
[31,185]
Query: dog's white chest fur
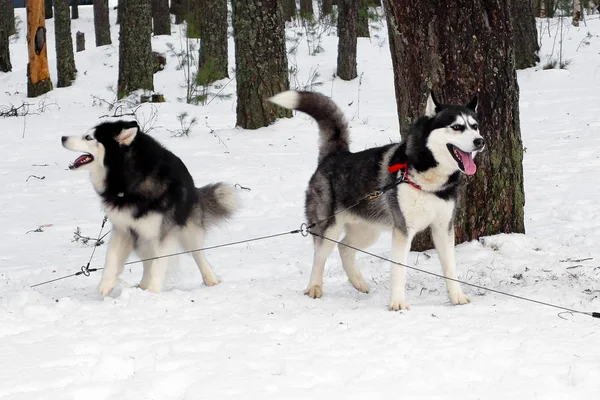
[147,227]
[421,208]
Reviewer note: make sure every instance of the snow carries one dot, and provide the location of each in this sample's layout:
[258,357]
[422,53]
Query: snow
[255,335]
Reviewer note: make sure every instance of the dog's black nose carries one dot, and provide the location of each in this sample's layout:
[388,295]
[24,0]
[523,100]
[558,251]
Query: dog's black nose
[63,139]
[479,143]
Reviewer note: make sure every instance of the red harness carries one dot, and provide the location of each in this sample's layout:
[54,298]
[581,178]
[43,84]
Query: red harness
[397,167]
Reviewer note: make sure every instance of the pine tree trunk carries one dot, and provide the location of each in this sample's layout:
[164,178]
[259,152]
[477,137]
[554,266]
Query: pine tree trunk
[428,51]
[48,8]
[374,3]
[65,61]
[177,10]
[576,12]
[213,46]
[135,47]
[260,60]
[5,65]
[362,27]
[306,10]
[101,23]
[38,76]
[74,9]
[524,34]
[289,10]
[347,19]
[12,25]
[326,7]
[161,17]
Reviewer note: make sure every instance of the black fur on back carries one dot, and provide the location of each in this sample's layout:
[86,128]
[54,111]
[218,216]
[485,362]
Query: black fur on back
[144,175]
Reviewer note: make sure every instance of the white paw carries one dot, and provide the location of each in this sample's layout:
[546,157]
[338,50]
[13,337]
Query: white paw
[360,284]
[314,291]
[153,287]
[106,286]
[458,297]
[211,280]
[399,305]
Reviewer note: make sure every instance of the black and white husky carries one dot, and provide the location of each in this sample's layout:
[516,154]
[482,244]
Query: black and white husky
[151,200]
[439,147]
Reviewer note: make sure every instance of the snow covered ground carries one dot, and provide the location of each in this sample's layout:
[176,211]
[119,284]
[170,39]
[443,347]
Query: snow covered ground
[255,335]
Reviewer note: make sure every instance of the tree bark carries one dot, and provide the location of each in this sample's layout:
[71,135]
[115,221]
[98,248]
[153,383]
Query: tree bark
[5,65]
[101,23]
[347,19]
[213,46]
[374,3]
[289,10]
[260,60]
[74,9]
[48,9]
[362,26]
[135,47]
[193,18]
[524,34]
[79,41]
[178,10]
[12,25]
[576,12]
[306,9]
[161,17]
[326,7]
[38,76]
[65,61]
[429,52]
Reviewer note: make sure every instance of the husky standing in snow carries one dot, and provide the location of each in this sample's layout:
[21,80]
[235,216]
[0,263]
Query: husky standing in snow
[438,148]
[151,200]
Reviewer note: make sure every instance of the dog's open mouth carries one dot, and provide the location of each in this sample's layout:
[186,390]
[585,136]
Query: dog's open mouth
[81,161]
[464,159]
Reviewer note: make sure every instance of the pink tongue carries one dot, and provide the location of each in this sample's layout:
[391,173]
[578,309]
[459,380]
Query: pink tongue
[467,160]
[79,159]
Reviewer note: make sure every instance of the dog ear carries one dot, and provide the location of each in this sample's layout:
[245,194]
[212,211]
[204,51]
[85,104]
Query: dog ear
[474,102]
[432,105]
[129,132]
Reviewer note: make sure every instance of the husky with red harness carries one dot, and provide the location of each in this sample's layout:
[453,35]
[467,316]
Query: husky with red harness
[422,173]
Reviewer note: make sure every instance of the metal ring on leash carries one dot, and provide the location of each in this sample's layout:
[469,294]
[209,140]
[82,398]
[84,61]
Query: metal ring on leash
[304,230]
[85,270]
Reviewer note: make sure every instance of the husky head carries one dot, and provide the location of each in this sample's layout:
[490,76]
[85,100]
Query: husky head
[111,137]
[454,137]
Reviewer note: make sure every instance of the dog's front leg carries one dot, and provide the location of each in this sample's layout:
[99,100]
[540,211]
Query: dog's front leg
[443,239]
[400,248]
[119,247]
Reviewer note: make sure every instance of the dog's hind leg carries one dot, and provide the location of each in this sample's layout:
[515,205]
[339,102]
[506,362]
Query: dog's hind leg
[119,247]
[153,280]
[443,239]
[322,250]
[360,236]
[401,242]
[192,238]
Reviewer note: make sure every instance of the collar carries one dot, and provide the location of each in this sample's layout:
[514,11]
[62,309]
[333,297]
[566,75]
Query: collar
[404,176]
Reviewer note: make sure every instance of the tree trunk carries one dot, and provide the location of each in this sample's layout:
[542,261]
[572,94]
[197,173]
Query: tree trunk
[289,10]
[306,9]
[178,10]
[374,3]
[38,76]
[260,60]
[362,26]
[74,9]
[428,51]
[161,17]
[213,46]
[347,19]
[65,61]
[101,23]
[12,25]
[135,47]
[48,9]
[576,12]
[326,7]
[524,34]
[5,65]
[79,41]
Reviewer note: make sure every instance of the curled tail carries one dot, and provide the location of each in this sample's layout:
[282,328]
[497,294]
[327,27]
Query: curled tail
[333,129]
[216,202]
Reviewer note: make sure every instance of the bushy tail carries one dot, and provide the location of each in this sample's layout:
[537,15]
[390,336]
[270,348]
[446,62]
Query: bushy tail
[333,129]
[217,202]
